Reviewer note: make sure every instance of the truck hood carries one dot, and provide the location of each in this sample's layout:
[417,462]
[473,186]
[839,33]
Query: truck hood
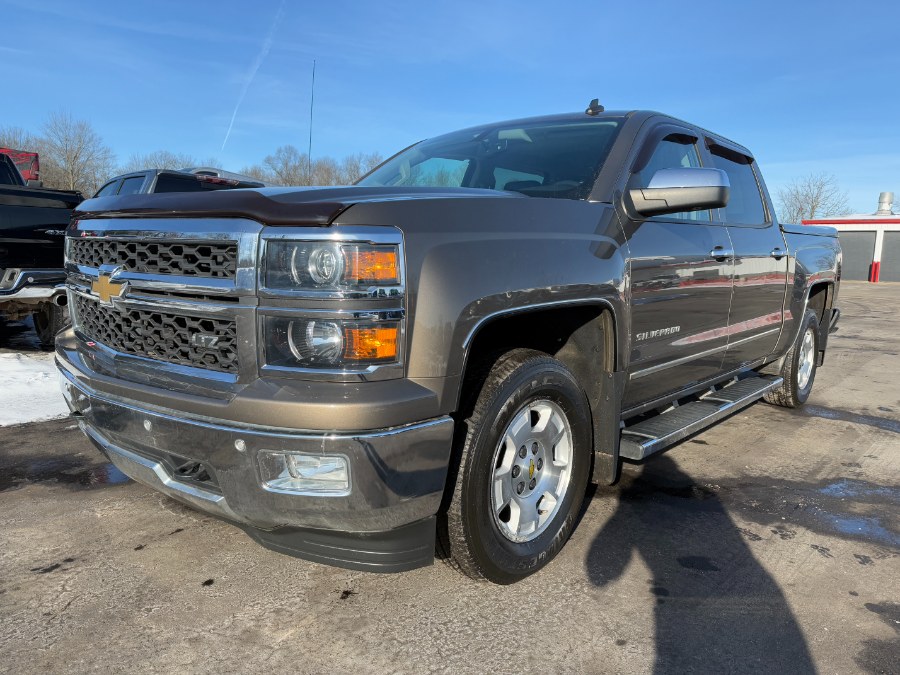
[270,206]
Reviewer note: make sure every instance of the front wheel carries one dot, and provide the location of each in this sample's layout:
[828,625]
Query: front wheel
[799,369]
[524,465]
[49,320]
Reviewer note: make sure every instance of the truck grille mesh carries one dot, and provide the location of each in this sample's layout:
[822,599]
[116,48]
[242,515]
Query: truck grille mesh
[217,260]
[159,335]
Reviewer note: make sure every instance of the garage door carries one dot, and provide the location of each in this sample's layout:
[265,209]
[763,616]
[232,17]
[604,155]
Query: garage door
[890,257]
[859,249]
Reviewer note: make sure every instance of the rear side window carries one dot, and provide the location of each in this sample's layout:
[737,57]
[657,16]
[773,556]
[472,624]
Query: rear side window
[109,189]
[745,205]
[132,186]
[170,183]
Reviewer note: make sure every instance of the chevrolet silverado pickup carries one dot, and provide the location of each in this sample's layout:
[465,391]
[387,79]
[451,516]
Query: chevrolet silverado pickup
[440,358]
[32,230]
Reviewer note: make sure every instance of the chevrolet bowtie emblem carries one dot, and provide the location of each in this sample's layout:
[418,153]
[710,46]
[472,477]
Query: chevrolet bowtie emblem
[531,469]
[106,288]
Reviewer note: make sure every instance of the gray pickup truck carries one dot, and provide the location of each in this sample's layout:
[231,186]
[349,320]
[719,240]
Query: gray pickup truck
[445,354]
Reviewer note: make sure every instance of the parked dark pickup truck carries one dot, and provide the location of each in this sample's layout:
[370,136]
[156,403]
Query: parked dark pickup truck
[32,232]
[452,348]
[194,179]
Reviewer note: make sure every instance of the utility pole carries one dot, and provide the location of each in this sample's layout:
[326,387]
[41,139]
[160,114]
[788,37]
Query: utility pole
[312,96]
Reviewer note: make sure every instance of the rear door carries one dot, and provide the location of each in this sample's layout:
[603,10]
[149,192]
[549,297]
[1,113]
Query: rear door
[760,263]
[680,269]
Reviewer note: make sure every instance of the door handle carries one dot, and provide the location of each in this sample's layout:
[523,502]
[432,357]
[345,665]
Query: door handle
[721,253]
[777,253]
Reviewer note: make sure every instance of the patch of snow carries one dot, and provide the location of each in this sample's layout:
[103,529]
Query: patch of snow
[29,389]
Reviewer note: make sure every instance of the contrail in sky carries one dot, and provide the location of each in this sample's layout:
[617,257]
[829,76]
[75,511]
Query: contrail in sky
[257,62]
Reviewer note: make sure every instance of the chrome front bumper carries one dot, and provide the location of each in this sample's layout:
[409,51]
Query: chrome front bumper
[386,523]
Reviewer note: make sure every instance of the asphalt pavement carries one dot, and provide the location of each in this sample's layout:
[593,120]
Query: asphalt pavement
[769,544]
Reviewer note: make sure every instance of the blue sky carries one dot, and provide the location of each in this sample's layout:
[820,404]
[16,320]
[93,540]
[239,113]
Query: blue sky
[808,86]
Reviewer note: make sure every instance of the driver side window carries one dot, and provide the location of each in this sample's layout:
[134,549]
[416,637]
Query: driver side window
[671,153]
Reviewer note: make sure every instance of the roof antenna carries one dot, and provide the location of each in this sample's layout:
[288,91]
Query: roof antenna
[312,97]
[594,108]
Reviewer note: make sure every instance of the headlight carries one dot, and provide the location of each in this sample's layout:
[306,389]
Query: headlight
[315,341]
[330,343]
[329,266]
[323,264]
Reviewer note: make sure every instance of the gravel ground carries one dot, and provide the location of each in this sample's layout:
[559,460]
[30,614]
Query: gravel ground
[767,544]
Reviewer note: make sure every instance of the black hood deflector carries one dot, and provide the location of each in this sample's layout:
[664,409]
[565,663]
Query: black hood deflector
[270,206]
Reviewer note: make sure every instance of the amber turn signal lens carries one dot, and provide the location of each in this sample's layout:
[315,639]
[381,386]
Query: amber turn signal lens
[371,344]
[368,264]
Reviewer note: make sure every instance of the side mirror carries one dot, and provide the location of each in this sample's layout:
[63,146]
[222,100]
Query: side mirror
[676,190]
[35,183]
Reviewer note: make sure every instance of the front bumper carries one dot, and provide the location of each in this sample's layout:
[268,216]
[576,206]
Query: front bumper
[386,523]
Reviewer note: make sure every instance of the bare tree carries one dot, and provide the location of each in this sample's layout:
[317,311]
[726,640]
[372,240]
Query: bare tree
[74,156]
[159,159]
[209,161]
[18,138]
[287,166]
[258,172]
[327,171]
[816,195]
[357,165]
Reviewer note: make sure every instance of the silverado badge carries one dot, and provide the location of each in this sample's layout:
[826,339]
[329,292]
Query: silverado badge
[107,289]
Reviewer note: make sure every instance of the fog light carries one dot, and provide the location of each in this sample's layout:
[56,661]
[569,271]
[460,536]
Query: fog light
[324,476]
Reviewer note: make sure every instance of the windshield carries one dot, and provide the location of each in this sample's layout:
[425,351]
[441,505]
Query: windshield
[543,159]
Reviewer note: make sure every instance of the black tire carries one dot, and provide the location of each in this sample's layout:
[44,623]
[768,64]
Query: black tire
[790,394]
[468,535]
[49,320]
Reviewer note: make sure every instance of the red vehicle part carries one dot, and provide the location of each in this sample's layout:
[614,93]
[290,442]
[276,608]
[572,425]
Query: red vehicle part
[26,162]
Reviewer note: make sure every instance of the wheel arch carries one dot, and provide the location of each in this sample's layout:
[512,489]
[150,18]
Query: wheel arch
[575,332]
[820,299]
[819,296]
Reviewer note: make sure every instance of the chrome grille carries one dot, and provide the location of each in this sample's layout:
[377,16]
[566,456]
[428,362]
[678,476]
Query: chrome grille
[160,335]
[214,260]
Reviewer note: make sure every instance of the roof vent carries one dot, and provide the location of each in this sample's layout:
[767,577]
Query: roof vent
[885,199]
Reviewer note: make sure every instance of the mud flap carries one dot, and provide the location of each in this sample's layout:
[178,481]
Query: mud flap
[607,466]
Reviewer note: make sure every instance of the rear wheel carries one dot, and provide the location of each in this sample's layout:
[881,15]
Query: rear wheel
[524,465]
[799,368]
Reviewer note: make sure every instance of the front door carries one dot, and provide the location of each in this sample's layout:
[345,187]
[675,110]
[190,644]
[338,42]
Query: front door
[681,278]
